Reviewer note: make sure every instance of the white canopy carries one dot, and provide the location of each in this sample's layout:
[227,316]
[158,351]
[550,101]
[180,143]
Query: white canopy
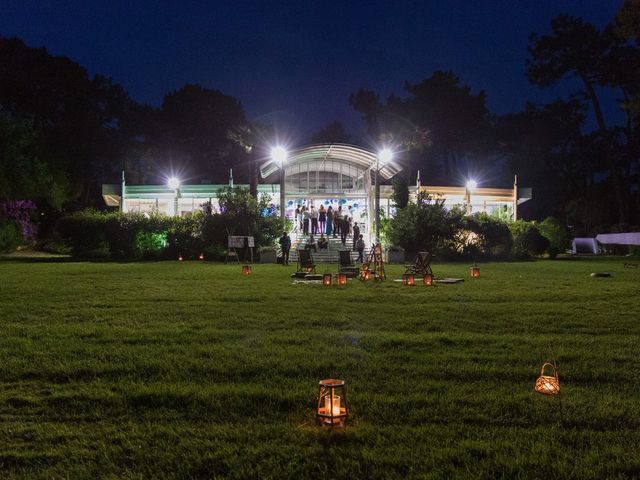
[336,152]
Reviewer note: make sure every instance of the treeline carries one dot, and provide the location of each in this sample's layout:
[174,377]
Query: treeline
[63,133]
[588,179]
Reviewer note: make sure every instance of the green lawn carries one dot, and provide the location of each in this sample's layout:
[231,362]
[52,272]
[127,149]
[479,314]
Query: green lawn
[191,370]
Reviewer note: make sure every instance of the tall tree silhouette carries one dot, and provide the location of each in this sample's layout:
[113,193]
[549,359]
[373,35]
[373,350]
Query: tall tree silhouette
[440,123]
[77,117]
[578,49]
[195,131]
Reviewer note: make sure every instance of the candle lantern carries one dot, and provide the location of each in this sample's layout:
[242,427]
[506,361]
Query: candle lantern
[327,279]
[428,279]
[366,274]
[201,256]
[408,279]
[548,384]
[332,403]
[246,269]
[342,279]
[475,271]
[180,257]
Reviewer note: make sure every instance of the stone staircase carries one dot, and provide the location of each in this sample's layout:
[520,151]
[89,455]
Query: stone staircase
[330,255]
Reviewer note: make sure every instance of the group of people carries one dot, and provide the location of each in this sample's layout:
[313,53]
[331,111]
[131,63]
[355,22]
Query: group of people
[330,222]
[322,244]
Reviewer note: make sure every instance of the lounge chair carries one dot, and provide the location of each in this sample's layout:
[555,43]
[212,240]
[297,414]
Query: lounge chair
[421,265]
[305,262]
[346,264]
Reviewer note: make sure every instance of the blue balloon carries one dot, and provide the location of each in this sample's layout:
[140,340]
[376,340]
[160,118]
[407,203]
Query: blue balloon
[355,205]
[290,202]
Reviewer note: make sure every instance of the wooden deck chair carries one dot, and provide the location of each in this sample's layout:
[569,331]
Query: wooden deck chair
[346,264]
[305,262]
[421,265]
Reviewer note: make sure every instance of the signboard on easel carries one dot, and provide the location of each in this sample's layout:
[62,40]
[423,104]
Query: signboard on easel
[239,241]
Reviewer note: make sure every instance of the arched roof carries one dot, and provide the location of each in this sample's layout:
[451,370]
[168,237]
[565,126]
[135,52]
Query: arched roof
[336,152]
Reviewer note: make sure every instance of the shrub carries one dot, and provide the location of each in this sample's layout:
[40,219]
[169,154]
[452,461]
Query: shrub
[423,226]
[116,235]
[135,236]
[21,212]
[527,240]
[491,239]
[558,235]
[10,237]
[185,237]
[85,232]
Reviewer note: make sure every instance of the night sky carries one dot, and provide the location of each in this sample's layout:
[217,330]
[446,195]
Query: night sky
[294,64]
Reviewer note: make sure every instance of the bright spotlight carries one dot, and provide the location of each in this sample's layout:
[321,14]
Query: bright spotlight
[173,183]
[279,155]
[471,185]
[385,155]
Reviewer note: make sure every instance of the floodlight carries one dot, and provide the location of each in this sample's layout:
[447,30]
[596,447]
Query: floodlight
[279,155]
[471,185]
[173,183]
[385,155]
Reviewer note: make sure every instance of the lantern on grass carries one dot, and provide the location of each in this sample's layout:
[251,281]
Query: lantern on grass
[332,408]
[428,279]
[548,384]
[342,278]
[366,274]
[246,269]
[475,271]
[327,279]
[180,257]
[408,279]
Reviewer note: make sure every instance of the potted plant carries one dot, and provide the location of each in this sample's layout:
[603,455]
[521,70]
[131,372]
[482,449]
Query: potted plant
[395,254]
[267,254]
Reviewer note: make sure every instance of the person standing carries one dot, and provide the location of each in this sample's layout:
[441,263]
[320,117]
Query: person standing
[305,220]
[322,219]
[337,221]
[297,224]
[330,221]
[356,234]
[344,229]
[285,246]
[314,221]
[360,248]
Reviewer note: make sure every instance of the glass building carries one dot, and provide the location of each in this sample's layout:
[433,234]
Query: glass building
[336,175]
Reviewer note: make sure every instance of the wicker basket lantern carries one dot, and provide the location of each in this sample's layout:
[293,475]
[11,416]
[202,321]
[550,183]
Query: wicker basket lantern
[547,384]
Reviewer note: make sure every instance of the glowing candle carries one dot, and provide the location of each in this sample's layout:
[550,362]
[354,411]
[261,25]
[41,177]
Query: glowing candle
[333,407]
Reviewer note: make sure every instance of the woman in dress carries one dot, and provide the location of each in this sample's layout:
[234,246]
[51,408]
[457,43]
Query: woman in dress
[322,219]
[329,220]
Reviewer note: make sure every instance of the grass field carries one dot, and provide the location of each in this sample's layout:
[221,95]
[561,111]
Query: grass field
[191,370]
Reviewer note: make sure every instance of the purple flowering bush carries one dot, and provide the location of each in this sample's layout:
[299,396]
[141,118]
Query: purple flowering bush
[21,212]
[16,225]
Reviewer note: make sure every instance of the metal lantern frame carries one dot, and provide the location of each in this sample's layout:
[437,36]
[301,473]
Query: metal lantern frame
[475,271]
[246,269]
[428,279]
[327,279]
[341,278]
[333,407]
[548,384]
